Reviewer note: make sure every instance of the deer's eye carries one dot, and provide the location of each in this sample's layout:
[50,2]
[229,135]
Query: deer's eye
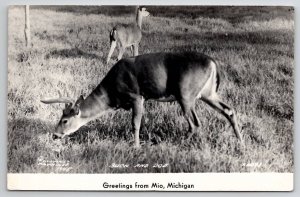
[64,121]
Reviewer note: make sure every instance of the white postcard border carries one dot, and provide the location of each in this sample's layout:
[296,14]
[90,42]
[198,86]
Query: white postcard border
[193,182]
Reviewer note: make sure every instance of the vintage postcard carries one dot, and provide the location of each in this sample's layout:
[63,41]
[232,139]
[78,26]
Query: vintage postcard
[150,98]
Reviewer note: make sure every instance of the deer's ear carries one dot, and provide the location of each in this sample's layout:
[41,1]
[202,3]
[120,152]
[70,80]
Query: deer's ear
[79,101]
[68,105]
[74,111]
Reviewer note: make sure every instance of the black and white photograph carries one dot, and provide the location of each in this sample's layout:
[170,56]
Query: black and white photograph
[150,90]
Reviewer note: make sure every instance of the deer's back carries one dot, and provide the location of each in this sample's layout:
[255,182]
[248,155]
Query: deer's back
[157,75]
[128,34]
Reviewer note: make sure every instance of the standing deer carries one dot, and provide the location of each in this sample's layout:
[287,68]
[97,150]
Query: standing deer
[127,35]
[181,77]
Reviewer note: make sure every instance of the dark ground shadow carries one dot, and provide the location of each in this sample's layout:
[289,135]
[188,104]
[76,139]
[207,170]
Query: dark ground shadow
[25,140]
[231,13]
[71,53]
[21,131]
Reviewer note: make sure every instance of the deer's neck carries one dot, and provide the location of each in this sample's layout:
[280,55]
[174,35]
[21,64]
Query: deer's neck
[95,104]
[139,19]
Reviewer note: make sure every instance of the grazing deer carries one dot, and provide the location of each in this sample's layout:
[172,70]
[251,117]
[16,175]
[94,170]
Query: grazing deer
[127,35]
[182,77]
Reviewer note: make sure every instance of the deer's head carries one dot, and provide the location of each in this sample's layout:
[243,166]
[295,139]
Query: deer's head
[70,120]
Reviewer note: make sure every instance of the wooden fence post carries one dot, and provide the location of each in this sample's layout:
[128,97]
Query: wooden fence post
[27,26]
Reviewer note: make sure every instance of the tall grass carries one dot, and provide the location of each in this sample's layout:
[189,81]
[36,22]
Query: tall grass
[68,54]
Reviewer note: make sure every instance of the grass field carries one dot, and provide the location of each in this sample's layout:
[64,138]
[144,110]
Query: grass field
[68,52]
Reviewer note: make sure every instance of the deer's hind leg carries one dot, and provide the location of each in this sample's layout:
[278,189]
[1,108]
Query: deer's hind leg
[214,101]
[188,108]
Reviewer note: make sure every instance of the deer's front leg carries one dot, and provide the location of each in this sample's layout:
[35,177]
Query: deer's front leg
[121,52]
[112,48]
[137,113]
[135,49]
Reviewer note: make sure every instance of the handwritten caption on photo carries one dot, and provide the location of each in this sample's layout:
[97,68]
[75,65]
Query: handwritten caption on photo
[115,165]
[60,165]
